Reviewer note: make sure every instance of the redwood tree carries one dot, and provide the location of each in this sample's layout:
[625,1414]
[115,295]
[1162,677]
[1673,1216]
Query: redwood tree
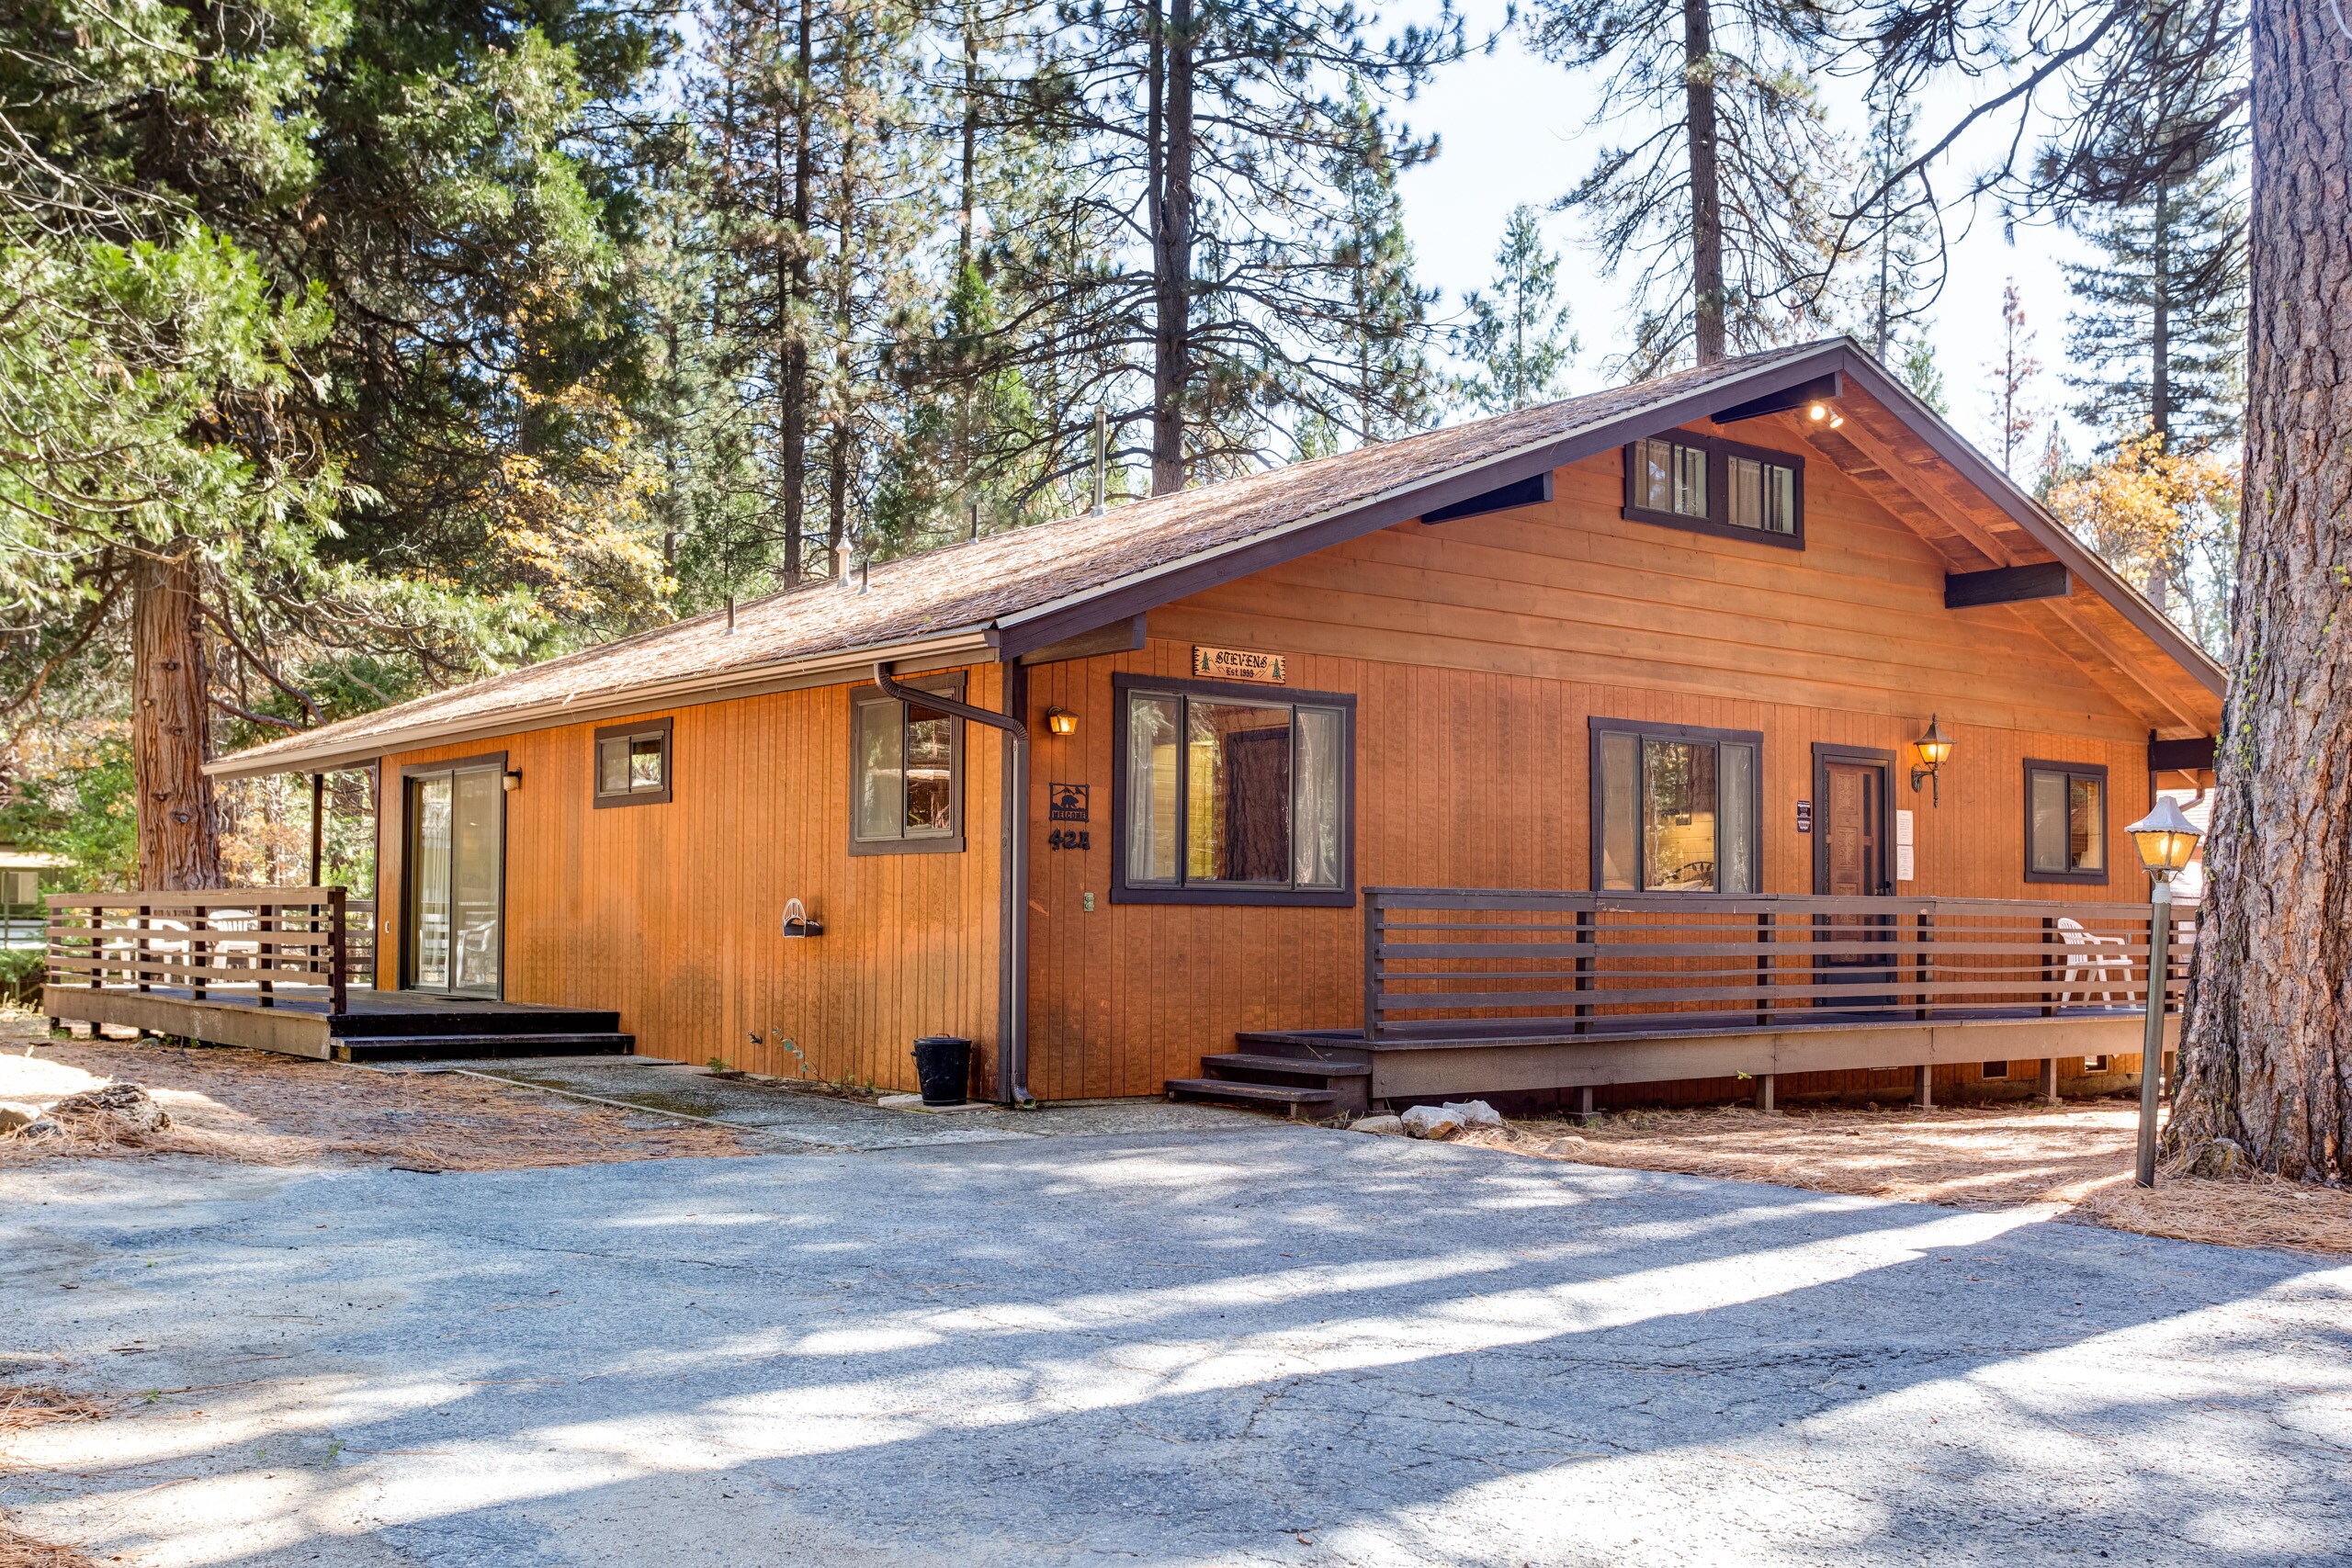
[2268,1059]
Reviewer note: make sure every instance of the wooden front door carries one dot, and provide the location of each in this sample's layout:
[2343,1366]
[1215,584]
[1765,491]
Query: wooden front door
[1851,859]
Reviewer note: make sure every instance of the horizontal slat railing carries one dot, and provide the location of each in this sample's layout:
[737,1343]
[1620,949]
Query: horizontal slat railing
[1501,963]
[255,944]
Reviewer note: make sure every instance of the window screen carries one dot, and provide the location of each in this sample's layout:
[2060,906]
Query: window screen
[904,761]
[1676,810]
[2065,822]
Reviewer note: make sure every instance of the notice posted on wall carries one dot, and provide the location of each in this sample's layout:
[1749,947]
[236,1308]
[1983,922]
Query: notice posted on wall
[1902,848]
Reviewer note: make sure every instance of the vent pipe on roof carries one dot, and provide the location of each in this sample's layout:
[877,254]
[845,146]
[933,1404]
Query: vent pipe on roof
[840,565]
[1102,454]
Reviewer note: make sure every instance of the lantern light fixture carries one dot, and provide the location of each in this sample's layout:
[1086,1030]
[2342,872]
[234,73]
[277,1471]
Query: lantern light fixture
[2166,840]
[1061,721]
[1934,748]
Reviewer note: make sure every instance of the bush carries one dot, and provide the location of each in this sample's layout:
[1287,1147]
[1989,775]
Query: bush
[21,972]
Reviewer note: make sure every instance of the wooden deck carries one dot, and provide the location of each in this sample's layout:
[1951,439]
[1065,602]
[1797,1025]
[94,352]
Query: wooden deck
[374,1025]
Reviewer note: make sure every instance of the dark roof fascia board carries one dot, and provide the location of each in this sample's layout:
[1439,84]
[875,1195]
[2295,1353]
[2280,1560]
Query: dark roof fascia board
[1142,592]
[2022,510]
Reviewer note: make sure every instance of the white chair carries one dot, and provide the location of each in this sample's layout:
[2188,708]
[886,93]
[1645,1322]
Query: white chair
[2088,965]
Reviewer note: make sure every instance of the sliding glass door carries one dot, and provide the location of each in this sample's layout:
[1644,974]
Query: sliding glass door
[457,865]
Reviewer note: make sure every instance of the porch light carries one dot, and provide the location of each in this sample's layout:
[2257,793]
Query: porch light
[2165,839]
[510,780]
[1821,414]
[1061,721]
[1934,748]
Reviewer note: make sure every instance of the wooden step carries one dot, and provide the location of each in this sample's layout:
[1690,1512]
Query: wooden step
[459,1047]
[1299,1067]
[1227,1091]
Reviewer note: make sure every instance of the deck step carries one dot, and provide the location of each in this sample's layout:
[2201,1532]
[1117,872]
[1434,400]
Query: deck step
[1291,1098]
[365,1022]
[1299,1067]
[459,1047]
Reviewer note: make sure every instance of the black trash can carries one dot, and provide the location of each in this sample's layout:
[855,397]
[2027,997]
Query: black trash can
[943,1064]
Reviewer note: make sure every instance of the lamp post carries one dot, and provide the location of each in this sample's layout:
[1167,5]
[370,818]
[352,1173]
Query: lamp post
[2165,839]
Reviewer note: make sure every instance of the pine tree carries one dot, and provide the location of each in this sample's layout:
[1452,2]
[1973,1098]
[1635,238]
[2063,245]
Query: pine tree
[1923,374]
[2011,375]
[1720,210]
[2160,331]
[1901,257]
[1518,332]
[1378,340]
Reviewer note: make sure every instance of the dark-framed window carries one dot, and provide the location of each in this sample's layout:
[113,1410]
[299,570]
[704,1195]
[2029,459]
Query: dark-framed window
[1713,486]
[1222,793]
[632,763]
[2065,821]
[1676,808]
[906,772]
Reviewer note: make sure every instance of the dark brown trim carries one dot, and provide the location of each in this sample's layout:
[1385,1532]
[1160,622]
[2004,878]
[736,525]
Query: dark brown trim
[950,843]
[1821,389]
[404,960]
[2106,805]
[1595,727]
[1825,753]
[1531,491]
[1124,635]
[1340,897]
[2190,756]
[1216,569]
[598,798]
[2007,585]
[1719,455]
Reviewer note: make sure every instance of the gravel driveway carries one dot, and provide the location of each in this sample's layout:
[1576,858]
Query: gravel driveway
[1186,1346]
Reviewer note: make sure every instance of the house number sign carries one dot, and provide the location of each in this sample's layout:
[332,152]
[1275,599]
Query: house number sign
[1804,816]
[1068,803]
[1237,664]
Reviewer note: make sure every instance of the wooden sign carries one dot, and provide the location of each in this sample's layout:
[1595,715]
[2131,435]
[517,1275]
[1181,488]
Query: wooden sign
[1237,664]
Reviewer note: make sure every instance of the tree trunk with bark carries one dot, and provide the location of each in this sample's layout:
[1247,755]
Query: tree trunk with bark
[794,316]
[179,842]
[1171,251]
[1707,184]
[2268,1048]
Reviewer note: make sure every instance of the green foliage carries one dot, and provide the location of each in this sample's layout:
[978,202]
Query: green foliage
[1923,374]
[1518,333]
[81,805]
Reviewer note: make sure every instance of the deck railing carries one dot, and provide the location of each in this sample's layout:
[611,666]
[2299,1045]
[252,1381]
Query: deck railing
[259,945]
[1505,963]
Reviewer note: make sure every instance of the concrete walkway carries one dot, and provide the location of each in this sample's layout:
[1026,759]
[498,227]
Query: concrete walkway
[1188,1346]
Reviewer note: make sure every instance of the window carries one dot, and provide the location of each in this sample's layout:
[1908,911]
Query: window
[1675,809]
[906,772]
[2065,822]
[1228,794]
[633,764]
[1716,487]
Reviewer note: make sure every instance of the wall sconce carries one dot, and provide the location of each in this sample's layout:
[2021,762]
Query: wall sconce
[1061,721]
[1934,748]
[1821,414]
[510,780]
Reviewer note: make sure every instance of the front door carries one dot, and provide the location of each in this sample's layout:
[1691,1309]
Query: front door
[1851,861]
[456,875]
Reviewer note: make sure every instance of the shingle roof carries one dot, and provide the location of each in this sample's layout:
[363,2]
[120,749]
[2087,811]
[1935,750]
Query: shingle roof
[953,598]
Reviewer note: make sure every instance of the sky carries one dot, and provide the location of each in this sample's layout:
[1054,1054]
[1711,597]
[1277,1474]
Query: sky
[1515,128]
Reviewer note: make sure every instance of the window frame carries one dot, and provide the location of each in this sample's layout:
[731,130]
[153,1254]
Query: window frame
[1642,730]
[1230,892]
[2069,771]
[1719,455]
[949,843]
[597,795]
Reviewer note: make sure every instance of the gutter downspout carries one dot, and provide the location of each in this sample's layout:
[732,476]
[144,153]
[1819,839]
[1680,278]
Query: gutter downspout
[1013,1015]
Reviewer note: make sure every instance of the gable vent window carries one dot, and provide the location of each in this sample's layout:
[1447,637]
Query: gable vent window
[633,764]
[1716,487]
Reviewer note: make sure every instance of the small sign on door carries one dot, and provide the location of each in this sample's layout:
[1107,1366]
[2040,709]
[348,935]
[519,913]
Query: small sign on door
[1804,816]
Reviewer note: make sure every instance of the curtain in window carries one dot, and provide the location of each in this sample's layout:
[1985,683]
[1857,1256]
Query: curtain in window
[881,762]
[2049,808]
[1151,788]
[1315,823]
[1735,818]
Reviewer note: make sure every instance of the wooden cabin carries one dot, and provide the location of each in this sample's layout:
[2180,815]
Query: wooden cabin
[1574,749]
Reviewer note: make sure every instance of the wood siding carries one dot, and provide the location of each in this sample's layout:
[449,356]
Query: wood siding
[1476,650]
[672,913]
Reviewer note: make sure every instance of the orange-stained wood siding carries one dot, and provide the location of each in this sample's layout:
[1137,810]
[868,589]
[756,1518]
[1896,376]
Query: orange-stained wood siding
[1476,650]
[672,913]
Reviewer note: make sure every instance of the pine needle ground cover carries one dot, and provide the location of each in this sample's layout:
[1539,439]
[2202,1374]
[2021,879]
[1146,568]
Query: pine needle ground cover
[2076,1157]
[26,1407]
[258,1108]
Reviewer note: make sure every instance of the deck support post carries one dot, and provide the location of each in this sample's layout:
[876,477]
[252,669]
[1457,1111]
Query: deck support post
[2049,1080]
[1585,1115]
[1764,1093]
[1923,1087]
[318,828]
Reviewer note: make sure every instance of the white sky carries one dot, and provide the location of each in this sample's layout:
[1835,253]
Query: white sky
[1514,129]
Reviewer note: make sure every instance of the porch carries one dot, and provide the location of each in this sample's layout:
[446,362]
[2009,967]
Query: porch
[1482,991]
[282,969]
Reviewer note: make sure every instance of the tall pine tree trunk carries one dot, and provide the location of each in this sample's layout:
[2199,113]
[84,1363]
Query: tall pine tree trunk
[795,315]
[2159,581]
[2268,1057]
[1172,255]
[1707,184]
[179,843]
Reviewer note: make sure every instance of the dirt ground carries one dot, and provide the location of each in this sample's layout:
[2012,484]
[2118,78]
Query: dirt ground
[2078,1155]
[26,1407]
[257,1107]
